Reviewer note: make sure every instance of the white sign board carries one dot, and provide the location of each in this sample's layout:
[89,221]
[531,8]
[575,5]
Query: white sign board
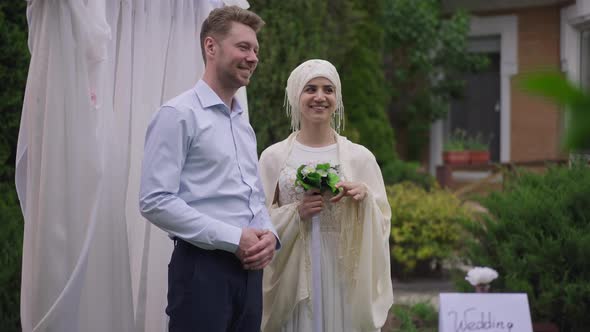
[489,312]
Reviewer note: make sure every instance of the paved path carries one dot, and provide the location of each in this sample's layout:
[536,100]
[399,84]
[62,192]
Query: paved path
[420,290]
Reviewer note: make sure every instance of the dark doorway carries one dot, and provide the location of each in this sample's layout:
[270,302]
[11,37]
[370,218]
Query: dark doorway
[478,112]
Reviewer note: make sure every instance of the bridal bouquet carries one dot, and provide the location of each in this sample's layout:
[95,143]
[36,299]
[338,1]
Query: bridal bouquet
[318,176]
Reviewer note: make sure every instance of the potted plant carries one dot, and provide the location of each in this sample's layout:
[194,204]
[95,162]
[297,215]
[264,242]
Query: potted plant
[545,327]
[455,152]
[479,152]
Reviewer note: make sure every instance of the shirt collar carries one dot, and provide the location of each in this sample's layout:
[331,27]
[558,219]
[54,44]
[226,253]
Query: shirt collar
[209,98]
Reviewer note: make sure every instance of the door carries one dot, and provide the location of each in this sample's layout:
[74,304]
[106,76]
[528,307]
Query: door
[478,112]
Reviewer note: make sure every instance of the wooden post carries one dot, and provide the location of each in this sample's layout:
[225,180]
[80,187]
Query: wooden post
[444,176]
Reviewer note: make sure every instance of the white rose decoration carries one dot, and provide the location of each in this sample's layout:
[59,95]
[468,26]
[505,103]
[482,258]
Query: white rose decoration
[481,275]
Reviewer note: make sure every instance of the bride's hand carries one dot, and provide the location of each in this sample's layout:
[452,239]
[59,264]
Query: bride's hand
[356,190]
[312,204]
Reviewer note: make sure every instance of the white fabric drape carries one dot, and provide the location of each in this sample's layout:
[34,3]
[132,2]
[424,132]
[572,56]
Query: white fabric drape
[98,71]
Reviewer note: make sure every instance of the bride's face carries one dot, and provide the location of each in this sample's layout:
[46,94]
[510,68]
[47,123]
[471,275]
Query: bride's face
[317,101]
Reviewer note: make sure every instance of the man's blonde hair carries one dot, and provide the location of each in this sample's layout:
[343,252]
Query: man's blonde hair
[219,21]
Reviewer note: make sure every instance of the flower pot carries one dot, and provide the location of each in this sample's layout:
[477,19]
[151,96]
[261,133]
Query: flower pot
[545,327]
[479,157]
[483,288]
[456,157]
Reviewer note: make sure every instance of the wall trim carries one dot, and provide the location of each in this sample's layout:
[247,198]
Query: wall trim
[574,18]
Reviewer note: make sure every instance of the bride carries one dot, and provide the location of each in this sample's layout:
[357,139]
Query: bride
[356,290]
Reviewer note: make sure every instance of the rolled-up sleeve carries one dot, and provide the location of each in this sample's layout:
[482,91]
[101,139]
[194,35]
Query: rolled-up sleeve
[167,143]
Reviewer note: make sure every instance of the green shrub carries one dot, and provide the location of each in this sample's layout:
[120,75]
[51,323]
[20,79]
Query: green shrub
[538,239]
[420,317]
[11,232]
[426,227]
[400,171]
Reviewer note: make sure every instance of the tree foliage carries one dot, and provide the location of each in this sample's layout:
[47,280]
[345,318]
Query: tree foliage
[14,59]
[425,55]
[11,229]
[344,32]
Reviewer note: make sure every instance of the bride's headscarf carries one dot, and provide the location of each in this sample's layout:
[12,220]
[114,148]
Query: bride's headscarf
[299,77]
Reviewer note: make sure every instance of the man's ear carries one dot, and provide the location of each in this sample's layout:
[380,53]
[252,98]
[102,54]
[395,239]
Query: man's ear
[210,46]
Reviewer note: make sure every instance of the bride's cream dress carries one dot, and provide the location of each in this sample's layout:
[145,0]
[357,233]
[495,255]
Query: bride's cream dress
[355,271]
[336,310]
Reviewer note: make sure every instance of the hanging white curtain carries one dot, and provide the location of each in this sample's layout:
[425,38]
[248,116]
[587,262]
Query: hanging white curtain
[98,72]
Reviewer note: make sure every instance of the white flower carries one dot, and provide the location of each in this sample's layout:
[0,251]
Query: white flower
[307,169]
[481,275]
[322,173]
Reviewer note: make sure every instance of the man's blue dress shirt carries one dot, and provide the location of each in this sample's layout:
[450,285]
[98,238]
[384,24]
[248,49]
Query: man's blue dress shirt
[200,178]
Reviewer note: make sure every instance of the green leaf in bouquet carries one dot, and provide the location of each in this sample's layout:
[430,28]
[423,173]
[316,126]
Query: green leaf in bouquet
[301,179]
[322,177]
[324,167]
[314,179]
[302,184]
[332,180]
[299,169]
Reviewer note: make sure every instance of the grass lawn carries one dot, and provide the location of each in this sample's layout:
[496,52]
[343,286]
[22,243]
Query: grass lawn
[420,317]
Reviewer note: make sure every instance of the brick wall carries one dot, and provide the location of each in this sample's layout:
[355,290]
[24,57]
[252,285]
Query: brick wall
[535,124]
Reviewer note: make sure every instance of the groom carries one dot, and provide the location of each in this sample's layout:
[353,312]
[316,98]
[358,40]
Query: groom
[200,184]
